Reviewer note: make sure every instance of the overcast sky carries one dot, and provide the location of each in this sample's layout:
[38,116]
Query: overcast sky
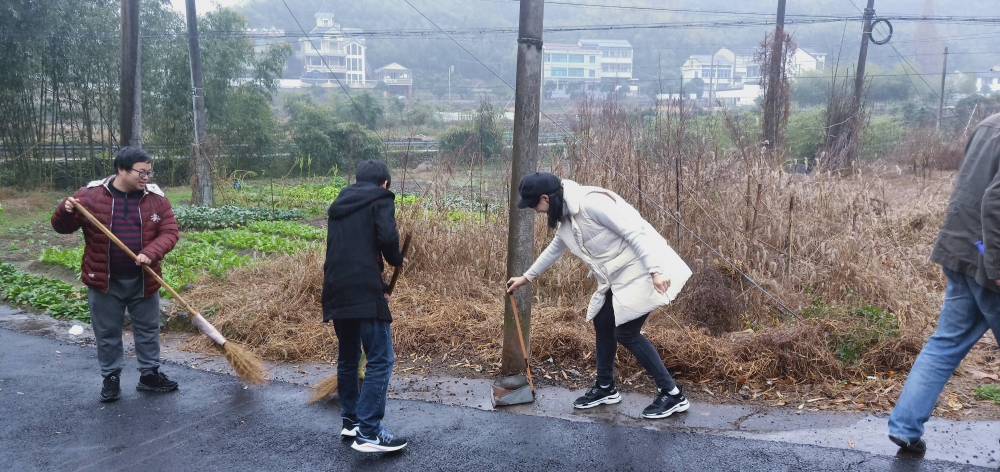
[202,6]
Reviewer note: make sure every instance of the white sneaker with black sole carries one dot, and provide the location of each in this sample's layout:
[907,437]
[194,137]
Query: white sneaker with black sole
[350,429]
[666,404]
[598,395]
[382,442]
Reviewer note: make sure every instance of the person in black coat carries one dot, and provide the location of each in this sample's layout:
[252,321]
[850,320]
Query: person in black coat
[361,239]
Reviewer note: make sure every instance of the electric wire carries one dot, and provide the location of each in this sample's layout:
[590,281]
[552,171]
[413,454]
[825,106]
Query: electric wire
[627,180]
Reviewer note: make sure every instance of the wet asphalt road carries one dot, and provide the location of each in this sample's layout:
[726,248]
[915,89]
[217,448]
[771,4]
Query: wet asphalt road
[50,419]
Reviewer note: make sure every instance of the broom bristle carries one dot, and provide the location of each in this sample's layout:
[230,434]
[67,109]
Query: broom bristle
[247,366]
[324,388]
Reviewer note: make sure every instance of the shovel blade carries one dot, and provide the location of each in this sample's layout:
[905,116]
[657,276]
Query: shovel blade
[512,390]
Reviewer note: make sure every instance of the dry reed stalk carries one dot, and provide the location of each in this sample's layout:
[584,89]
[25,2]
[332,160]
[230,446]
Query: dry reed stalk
[850,249]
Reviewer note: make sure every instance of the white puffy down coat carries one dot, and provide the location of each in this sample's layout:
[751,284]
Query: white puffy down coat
[621,249]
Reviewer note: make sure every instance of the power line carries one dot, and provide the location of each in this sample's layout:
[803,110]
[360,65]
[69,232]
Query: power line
[622,176]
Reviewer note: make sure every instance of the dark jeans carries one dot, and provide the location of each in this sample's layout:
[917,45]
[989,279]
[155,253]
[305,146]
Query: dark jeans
[367,404]
[628,335]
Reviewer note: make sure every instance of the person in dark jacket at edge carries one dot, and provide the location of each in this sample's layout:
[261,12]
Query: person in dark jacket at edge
[968,250]
[361,238]
[138,214]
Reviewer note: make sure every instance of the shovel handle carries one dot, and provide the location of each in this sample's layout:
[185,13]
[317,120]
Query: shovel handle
[97,224]
[520,337]
[398,269]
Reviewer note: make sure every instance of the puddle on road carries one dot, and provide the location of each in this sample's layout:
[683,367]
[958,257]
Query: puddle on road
[965,442]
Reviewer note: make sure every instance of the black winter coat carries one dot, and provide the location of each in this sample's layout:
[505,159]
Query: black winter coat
[361,234]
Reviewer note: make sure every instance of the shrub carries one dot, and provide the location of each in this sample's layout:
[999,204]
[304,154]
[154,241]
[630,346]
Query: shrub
[989,392]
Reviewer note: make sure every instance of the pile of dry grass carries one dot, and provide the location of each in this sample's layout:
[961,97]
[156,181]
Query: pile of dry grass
[847,246]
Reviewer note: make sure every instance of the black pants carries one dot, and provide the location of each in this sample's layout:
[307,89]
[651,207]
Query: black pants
[628,335]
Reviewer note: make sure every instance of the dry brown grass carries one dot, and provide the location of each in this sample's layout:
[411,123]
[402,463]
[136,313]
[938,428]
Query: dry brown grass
[855,242]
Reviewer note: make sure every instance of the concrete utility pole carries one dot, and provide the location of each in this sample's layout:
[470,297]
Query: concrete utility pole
[771,119]
[521,230]
[711,81]
[130,86]
[201,190]
[866,36]
[944,75]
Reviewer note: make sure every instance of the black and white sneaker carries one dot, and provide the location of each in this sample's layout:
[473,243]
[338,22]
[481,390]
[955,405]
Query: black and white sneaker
[112,389]
[598,395]
[917,446]
[350,429]
[155,381]
[666,404]
[382,442]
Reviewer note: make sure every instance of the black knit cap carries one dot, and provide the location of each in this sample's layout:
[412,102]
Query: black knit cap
[534,185]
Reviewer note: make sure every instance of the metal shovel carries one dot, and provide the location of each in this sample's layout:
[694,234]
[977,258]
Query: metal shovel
[515,389]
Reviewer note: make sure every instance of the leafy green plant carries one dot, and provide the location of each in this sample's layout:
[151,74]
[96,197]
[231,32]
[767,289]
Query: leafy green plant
[288,228]
[70,258]
[59,299]
[199,217]
[989,392]
[246,239]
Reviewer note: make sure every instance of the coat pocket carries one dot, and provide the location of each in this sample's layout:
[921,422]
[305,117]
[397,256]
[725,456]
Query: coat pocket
[619,262]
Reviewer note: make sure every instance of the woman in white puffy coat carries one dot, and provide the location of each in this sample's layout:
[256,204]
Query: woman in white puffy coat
[636,272]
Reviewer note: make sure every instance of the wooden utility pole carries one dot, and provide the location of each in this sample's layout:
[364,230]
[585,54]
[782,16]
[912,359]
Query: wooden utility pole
[866,36]
[772,119]
[201,189]
[944,75]
[711,81]
[130,86]
[521,229]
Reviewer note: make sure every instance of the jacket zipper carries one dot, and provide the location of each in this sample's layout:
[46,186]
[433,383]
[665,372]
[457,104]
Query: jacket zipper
[111,225]
[141,244]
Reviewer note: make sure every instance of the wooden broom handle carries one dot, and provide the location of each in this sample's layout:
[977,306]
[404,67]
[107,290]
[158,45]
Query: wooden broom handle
[520,337]
[398,269]
[149,270]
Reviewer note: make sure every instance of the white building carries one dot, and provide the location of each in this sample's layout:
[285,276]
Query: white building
[735,78]
[989,82]
[333,53]
[584,65]
[399,79]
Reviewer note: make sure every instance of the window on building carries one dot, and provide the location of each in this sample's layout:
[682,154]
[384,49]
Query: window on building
[558,58]
[626,53]
[725,73]
[593,59]
[706,72]
[558,72]
[576,72]
[548,58]
[592,73]
[326,22]
[315,61]
[576,58]
[605,53]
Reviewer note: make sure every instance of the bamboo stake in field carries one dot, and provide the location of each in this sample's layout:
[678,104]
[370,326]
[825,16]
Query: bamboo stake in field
[329,384]
[247,366]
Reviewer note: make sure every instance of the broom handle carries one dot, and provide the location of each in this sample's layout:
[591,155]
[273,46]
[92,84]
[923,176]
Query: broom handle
[520,337]
[194,314]
[398,269]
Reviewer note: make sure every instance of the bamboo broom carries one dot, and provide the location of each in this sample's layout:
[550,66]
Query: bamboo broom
[329,384]
[247,366]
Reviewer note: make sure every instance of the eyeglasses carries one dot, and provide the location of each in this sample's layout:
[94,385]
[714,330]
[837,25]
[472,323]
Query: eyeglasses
[143,174]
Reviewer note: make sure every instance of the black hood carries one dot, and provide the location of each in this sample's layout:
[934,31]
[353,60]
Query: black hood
[356,197]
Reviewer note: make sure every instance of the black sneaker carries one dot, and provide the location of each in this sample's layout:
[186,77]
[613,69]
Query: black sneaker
[350,429]
[666,404]
[156,382]
[598,396]
[112,389]
[917,446]
[382,442]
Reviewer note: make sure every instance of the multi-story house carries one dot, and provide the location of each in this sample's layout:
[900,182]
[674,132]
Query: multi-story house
[332,53]
[397,78]
[736,77]
[990,81]
[585,65]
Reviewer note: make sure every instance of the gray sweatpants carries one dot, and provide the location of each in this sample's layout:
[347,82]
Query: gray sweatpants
[107,314]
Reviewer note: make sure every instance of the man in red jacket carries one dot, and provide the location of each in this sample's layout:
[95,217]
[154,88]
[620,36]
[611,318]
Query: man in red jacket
[140,216]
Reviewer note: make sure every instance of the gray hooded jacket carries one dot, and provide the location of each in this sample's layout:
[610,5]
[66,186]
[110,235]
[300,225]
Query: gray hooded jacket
[974,210]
